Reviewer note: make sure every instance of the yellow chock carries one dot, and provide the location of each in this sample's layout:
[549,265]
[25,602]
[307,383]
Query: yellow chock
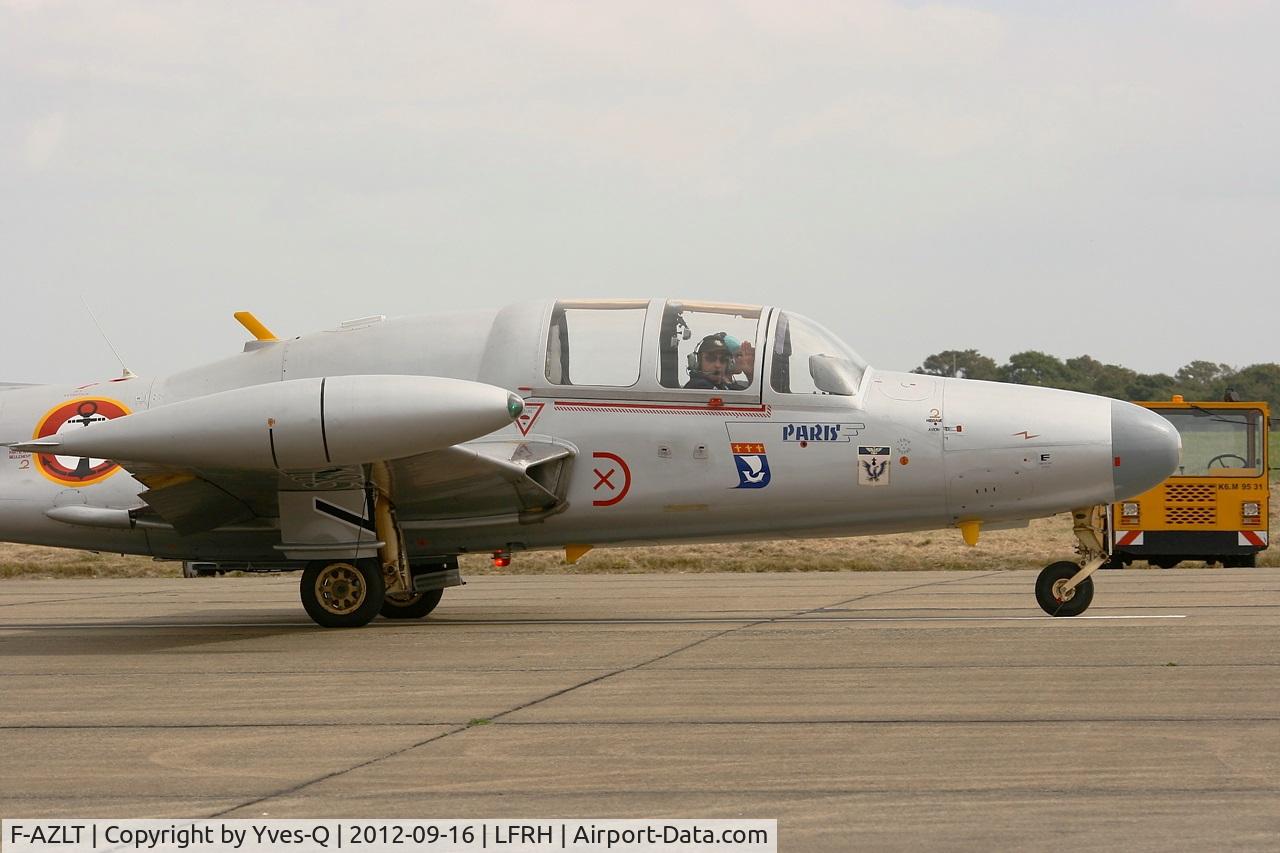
[970,530]
[574,553]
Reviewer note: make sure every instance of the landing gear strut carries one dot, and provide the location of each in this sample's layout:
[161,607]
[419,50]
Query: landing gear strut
[1066,588]
[430,577]
[350,581]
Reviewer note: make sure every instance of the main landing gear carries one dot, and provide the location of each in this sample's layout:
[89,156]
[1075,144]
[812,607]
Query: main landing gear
[1066,588]
[347,583]
[412,605]
[350,593]
[343,594]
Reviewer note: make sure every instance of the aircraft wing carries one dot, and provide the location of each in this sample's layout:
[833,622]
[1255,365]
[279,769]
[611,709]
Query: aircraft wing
[483,482]
[260,451]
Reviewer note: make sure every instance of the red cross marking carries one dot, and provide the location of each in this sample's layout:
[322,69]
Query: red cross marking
[605,477]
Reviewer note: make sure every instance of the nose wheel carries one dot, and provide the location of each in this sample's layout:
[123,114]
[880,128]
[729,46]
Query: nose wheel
[1066,588]
[1055,594]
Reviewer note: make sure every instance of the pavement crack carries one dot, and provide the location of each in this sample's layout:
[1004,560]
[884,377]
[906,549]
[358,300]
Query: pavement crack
[566,690]
[336,773]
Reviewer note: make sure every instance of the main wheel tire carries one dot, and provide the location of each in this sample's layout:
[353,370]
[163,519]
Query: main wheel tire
[1050,597]
[411,606]
[342,594]
[1165,562]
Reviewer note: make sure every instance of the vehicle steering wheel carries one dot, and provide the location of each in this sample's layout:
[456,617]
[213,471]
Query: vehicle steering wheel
[1222,457]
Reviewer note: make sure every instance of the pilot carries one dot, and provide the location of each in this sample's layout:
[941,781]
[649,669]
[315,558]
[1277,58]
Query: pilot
[717,359]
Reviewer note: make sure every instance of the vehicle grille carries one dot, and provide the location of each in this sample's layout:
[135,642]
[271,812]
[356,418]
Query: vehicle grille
[1189,493]
[1190,504]
[1187,515]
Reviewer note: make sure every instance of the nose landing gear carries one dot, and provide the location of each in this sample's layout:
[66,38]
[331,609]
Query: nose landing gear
[1066,588]
[1054,595]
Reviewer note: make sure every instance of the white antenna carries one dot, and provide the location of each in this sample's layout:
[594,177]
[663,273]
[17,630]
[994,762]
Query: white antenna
[126,373]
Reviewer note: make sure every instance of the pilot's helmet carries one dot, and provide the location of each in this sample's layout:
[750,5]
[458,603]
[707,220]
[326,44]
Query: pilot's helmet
[720,342]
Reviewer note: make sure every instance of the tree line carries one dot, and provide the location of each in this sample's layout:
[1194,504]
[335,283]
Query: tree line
[1198,380]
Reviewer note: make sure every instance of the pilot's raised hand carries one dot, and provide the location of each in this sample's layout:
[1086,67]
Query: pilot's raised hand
[746,361]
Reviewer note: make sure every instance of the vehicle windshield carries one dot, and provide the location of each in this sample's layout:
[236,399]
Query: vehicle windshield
[808,359]
[1219,442]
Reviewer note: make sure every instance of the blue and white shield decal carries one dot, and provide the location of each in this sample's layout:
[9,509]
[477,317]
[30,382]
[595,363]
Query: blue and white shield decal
[752,464]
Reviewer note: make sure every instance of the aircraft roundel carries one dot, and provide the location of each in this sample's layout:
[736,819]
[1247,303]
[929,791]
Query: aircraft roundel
[77,414]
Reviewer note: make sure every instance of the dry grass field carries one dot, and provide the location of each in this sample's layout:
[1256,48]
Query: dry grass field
[1034,547]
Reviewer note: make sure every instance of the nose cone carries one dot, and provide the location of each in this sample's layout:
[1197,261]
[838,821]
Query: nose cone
[1146,449]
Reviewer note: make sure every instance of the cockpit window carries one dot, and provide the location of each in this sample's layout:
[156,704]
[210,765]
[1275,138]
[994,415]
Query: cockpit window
[708,346]
[596,342]
[808,359]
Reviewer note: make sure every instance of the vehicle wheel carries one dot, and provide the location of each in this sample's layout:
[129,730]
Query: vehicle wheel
[1164,562]
[1243,561]
[411,606]
[1049,590]
[342,594]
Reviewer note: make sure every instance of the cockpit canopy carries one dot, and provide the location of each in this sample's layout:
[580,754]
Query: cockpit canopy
[696,346]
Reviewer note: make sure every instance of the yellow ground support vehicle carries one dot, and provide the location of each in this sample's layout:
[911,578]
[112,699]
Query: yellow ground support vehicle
[1214,508]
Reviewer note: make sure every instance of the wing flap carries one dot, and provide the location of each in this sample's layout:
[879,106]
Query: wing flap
[196,506]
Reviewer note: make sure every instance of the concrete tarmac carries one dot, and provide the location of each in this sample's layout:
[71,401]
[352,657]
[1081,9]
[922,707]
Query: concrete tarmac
[885,711]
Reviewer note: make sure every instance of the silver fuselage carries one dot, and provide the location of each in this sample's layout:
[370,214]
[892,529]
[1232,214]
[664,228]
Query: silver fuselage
[650,463]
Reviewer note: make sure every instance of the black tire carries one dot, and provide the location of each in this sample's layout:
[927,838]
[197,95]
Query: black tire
[342,593]
[413,606]
[1241,561]
[1164,562]
[1076,602]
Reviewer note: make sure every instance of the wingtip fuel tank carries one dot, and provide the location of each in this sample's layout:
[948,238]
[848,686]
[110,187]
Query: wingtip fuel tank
[298,424]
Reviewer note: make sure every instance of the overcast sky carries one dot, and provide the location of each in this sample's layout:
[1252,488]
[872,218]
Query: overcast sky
[1098,178]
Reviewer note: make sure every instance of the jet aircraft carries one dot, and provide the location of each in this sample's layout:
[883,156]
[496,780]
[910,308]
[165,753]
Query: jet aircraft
[370,456]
